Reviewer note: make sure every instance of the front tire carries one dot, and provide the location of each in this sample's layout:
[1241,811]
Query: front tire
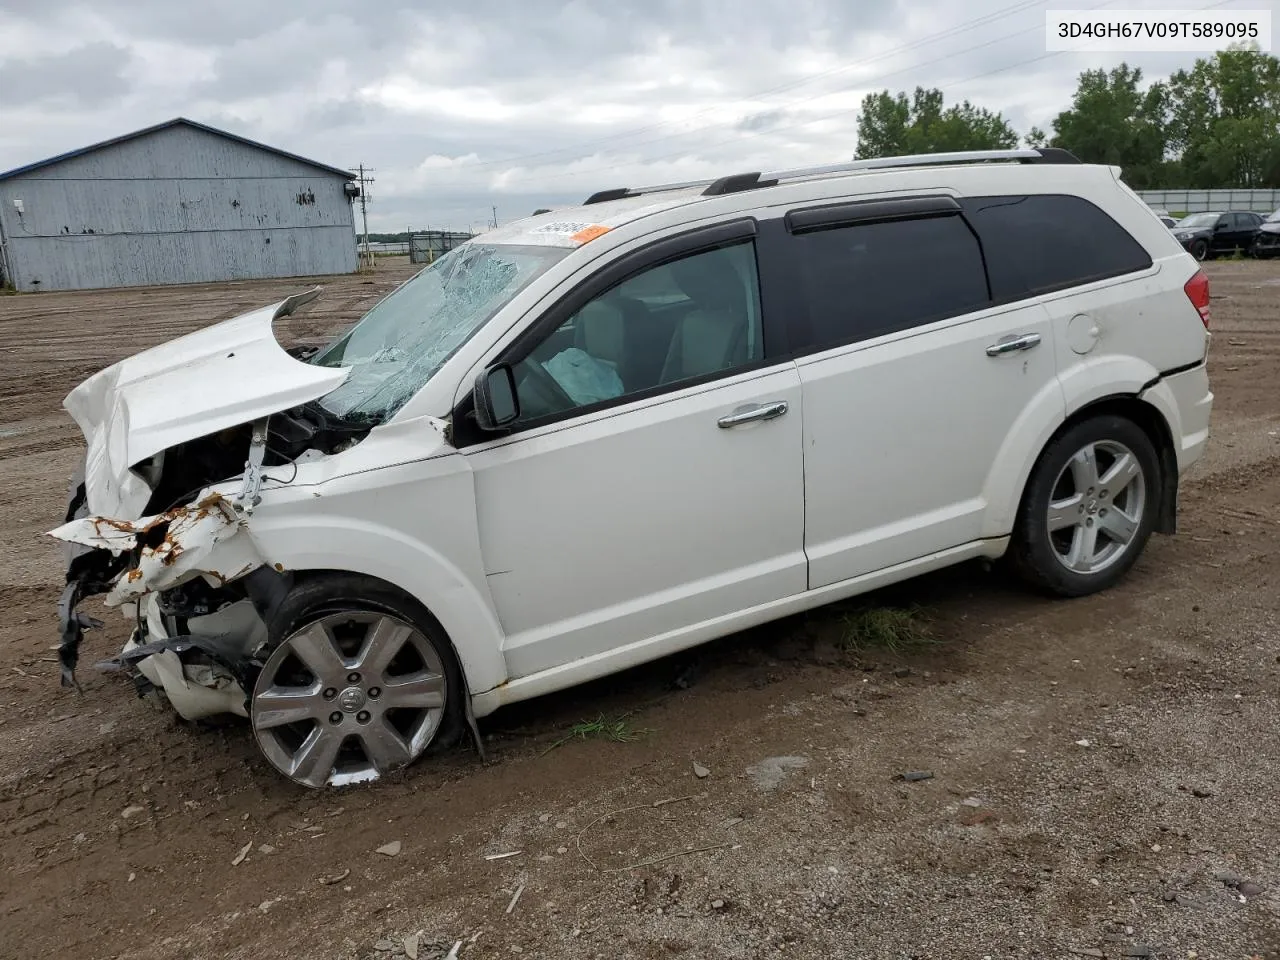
[1200,250]
[1089,508]
[360,681]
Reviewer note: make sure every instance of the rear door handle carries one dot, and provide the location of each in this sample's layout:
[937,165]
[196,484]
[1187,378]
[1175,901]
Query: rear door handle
[760,411]
[1013,343]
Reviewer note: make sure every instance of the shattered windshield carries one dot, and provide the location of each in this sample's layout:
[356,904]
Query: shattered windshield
[400,344]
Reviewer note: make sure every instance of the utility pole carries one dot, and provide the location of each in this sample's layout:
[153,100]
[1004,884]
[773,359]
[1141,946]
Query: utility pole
[364,180]
[495,217]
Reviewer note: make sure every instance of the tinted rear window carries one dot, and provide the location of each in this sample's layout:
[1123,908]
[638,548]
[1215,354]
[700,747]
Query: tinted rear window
[1035,244]
[870,279]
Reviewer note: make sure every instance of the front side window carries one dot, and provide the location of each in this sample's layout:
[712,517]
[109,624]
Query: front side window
[670,324]
[407,337]
[870,279]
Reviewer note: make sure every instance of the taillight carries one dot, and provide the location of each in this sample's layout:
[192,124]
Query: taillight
[1197,289]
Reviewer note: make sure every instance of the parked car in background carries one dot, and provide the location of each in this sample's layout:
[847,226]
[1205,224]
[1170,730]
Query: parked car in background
[1207,235]
[1266,243]
[602,435]
[1168,221]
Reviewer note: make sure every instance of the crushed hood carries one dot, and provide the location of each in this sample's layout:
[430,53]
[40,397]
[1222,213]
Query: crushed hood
[219,377]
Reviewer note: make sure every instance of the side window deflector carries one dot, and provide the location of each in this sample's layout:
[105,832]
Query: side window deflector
[870,211]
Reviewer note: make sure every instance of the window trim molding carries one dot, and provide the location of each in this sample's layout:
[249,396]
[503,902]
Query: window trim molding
[647,256]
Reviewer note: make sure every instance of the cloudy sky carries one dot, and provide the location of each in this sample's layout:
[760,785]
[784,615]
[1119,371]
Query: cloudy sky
[525,103]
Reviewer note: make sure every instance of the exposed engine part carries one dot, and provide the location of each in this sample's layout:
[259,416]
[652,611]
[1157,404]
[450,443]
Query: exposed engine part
[251,488]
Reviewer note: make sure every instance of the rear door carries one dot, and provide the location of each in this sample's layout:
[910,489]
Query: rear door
[913,379]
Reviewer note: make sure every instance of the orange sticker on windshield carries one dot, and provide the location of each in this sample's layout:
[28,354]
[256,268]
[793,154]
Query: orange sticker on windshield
[582,236]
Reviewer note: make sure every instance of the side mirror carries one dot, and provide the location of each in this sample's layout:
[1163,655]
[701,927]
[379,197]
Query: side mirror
[496,401]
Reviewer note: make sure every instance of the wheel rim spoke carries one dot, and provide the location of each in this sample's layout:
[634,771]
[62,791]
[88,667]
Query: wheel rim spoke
[385,640]
[415,690]
[316,648]
[314,760]
[1065,513]
[1083,546]
[1084,470]
[384,746]
[1119,526]
[1121,473]
[278,706]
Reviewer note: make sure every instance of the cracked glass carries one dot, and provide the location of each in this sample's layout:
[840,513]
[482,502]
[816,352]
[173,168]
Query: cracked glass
[408,336]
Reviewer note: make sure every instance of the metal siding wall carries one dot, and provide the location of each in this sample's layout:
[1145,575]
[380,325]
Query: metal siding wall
[178,206]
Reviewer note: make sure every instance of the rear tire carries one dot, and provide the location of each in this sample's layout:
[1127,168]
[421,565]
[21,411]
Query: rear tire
[1088,509]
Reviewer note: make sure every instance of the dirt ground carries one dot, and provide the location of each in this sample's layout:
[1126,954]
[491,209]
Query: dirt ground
[1104,770]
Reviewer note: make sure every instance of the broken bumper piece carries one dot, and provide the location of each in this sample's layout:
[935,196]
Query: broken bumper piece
[197,657]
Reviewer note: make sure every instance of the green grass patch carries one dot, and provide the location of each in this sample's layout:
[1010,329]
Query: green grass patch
[893,629]
[618,730]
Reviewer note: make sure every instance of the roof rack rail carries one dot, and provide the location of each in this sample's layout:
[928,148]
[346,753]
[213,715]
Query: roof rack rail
[619,193]
[751,181]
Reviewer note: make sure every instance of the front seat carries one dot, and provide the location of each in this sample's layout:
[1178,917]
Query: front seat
[600,330]
[712,336]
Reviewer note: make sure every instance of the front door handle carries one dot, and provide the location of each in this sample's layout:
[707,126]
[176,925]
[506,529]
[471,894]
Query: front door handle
[760,411]
[1013,343]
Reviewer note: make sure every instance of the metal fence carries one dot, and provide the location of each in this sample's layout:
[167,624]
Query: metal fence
[428,246]
[1198,201]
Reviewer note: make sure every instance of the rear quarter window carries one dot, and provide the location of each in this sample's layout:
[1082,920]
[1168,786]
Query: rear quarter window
[1041,243]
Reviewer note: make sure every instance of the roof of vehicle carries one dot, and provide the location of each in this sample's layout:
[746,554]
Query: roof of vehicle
[608,209]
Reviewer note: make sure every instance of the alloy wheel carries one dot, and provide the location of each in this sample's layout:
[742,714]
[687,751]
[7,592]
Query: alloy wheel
[1097,506]
[348,699]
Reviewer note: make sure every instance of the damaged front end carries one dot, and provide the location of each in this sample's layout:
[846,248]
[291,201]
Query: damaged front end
[157,519]
[178,576]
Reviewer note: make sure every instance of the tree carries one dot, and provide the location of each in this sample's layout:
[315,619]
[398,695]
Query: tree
[1225,120]
[1113,121]
[541,210]
[1036,138]
[889,125]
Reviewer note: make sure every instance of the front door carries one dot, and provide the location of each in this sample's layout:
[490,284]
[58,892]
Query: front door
[653,480]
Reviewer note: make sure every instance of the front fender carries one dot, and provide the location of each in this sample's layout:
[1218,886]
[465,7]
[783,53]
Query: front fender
[356,546]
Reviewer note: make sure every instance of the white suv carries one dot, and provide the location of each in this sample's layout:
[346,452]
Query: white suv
[602,435]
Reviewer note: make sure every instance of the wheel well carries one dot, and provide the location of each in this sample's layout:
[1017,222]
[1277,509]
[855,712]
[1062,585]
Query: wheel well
[298,577]
[1157,430]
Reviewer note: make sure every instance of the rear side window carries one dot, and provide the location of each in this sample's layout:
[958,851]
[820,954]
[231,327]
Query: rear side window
[869,279]
[1040,243]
